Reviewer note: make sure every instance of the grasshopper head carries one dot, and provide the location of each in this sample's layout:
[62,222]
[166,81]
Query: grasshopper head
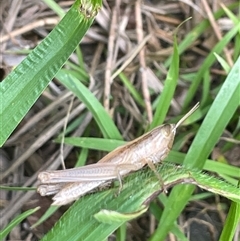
[168,131]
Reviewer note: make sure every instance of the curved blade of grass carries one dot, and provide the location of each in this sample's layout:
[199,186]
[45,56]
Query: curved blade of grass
[230,14]
[136,95]
[221,111]
[215,185]
[206,87]
[109,216]
[48,213]
[55,7]
[168,91]
[196,32]
[218,48]
[22,87]
[231,222]
[139,188]
[105,123]
[235,20]
[15,222]
[223,63]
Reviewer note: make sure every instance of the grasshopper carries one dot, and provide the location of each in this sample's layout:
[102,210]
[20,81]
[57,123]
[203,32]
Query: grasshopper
[70,184]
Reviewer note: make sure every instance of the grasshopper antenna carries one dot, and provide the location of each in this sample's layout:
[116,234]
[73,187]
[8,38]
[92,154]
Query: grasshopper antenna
[195,107]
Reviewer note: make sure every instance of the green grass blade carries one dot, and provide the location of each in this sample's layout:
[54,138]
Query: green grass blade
[206,88]
[231,222]
[94,143]
[221,111]
[22,87]
[216,186]
[168,91]
[208,63]
[105,123]
[223,63]
[136,95]
[55,7]
[50,211]
[15,222]
[231,15]
[196,32]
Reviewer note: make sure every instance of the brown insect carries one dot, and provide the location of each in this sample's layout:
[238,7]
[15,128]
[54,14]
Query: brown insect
[148,149]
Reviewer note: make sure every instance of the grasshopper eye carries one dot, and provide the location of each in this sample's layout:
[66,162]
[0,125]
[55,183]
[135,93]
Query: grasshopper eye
[167,130]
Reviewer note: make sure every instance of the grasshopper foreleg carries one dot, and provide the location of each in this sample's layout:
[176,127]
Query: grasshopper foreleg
[123,169]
